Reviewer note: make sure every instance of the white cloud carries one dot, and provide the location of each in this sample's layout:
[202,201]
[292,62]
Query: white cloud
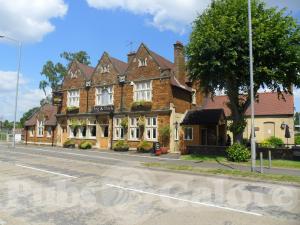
[28,97]
[29,20]
[174,15]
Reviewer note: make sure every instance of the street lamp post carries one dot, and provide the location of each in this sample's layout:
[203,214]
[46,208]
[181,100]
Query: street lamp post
[253,151]
[19,43]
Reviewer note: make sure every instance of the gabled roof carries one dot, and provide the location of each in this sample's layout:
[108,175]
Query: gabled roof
[86,70]
[119,65]
[268,104]
[203,117]
[162,62]
[48,112]
[176,83]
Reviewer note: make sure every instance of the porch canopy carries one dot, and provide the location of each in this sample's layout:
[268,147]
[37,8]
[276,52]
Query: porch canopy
[209,126]
[204,117]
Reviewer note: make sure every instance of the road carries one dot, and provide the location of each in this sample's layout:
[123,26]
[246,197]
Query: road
[69,187]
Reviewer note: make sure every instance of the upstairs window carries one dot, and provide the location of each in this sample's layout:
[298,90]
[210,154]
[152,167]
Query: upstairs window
[40,128]
[73,98]
[104,69]
[104,96]
[142,62]
[143,91]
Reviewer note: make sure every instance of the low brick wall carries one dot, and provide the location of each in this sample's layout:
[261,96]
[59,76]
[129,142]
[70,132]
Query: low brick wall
[277,153]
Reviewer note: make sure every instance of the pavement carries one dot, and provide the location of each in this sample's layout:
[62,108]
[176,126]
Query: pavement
[44,185]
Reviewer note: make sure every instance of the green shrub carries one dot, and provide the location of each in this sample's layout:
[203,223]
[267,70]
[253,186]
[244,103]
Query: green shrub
[297,140]
[272,142]
[144,146]
[238,153]
[69,144]
[85,145]
[121,146]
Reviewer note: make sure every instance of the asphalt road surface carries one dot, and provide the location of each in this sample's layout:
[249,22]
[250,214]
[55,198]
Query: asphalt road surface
[71,187]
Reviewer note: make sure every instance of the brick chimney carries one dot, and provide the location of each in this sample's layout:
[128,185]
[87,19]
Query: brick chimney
[130,56]
[179,62]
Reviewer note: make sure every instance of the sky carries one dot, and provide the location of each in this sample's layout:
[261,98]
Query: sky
[50,27]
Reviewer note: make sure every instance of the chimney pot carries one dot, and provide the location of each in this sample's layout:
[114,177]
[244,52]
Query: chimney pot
[130,56]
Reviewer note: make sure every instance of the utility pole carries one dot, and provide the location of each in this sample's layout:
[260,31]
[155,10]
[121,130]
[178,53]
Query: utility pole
[253,150]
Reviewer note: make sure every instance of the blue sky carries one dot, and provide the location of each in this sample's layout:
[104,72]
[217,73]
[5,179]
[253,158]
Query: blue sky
[50,27]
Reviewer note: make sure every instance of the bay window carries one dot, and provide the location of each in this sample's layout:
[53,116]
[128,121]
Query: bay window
[104,95]
[151,128]
[92,129]
[143,91]
[73,98]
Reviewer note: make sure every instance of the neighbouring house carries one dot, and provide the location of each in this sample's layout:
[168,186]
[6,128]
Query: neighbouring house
[272,114]
[125,101]
[40,128]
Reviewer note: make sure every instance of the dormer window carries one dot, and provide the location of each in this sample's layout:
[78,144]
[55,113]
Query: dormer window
[104,69]
[142,62]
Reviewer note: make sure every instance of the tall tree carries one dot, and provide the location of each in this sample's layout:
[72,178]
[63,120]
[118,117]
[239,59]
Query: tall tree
[27,115]
[218,53]
[54,73]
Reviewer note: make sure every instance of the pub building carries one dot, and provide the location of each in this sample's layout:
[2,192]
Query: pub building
[128,101]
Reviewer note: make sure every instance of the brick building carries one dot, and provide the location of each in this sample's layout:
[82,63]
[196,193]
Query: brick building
[128,101]
[40,128]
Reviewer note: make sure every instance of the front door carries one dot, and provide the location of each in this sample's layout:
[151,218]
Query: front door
[104,136]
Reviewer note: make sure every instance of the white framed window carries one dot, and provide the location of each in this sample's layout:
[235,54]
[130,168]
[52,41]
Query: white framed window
[73,132]
[73,98]
[142,62]
[91,129]
[40,128]
[49,131]
[143,91]
[118,129]
[188,133]
[134,130]
[104,96]
[194,100]
[151,128]
[73,74]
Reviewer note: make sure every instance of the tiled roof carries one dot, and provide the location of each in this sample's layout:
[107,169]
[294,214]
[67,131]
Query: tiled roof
[48,112]
[120,65]
[268,104]
[163,62]
[87,70]
[176,83]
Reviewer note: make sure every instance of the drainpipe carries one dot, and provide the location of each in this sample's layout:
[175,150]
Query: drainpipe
[52,136]
[111,130]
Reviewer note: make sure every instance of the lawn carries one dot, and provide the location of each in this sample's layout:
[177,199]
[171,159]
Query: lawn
[276,163]
[230,173]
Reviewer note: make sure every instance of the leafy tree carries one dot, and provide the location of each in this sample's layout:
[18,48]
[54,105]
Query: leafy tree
[218,53]
[47,100]
[27,115]
[297,117]
[54,73]
[8,125]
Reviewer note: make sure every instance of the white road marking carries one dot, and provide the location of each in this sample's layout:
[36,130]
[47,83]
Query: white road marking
[45,171]
[183,200]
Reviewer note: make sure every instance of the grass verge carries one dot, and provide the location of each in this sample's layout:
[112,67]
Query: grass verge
[276,163]
[230,173]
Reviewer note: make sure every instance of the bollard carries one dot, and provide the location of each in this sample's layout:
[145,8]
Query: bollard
[270,159]
[261,162]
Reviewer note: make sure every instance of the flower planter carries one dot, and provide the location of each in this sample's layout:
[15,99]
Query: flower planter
[141,106]
[73,110]
[121,149]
